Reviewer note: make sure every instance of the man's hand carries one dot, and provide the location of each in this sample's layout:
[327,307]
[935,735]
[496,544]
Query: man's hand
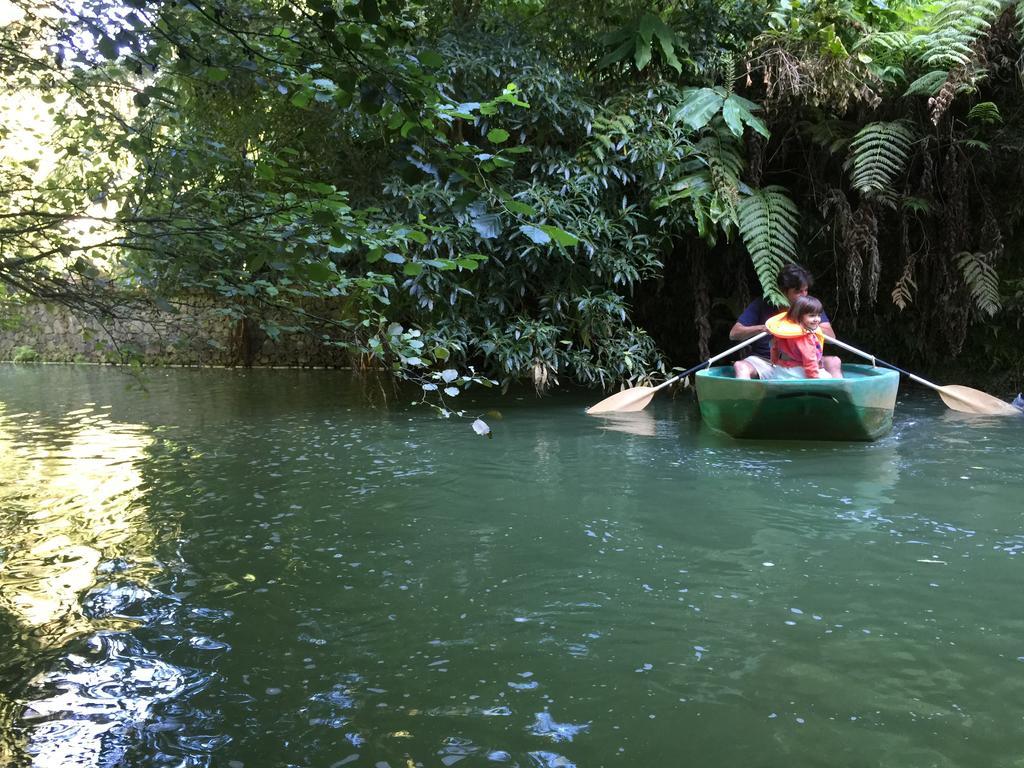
[744,332]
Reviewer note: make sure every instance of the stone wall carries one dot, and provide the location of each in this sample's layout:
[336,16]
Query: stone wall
[198,334]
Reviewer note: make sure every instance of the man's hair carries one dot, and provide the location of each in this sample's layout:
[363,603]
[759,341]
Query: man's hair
[804,305]
[794,276]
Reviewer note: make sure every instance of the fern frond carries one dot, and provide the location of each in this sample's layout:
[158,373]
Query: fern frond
[928,84]
[720,147]
[895,41]
[878,155]
[768,222]
[709,179]
[953,30]
[973,15]
[916,205]
[981,279]
[985,112]
[903,293]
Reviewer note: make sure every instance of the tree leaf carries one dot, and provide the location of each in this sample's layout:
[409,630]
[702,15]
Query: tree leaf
[698,107]
[560,236]
[521,208]
[536,234]
[731,115]
[642,54]
[320,271]
[668,48]
[488,226]
[430,59]
[497,135]
[617,55]
[107,47]
[646,27]
[736,111]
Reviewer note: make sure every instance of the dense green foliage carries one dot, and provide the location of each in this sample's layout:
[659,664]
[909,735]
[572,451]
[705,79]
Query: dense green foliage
[543,190]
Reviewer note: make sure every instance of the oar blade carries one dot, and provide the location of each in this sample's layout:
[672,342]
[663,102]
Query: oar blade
[634,399]
[967,400]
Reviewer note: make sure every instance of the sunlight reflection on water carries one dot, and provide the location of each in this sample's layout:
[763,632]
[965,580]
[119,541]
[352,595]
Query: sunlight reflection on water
[78,557]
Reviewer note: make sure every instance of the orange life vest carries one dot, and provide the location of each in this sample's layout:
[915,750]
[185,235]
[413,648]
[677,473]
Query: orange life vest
[781,326]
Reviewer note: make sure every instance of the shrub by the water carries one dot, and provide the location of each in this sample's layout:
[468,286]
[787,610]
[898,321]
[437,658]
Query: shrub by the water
[24,354]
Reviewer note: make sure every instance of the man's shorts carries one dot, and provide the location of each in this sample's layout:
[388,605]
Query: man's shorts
[765,370]
[761,365]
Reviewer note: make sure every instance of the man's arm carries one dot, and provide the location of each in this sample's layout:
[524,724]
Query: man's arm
[742,332]
[826,328]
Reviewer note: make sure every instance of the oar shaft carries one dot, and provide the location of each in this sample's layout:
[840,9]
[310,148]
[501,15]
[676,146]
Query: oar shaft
[874,359]
[710,360]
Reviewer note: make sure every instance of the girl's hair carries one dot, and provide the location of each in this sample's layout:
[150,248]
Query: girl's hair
[804,305]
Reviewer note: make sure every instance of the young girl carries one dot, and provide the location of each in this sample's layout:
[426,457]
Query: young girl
[798,341]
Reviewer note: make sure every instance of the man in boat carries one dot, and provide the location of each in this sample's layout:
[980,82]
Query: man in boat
[794,281]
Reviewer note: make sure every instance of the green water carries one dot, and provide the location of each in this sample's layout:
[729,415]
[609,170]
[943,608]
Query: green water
[258,569]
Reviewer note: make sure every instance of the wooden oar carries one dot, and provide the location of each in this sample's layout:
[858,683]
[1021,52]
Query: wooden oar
[637,398]
[957,397]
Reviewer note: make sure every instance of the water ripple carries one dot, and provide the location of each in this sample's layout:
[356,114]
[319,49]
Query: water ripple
[78,581]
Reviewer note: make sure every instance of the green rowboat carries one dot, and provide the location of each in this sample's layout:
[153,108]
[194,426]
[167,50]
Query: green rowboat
[856,407]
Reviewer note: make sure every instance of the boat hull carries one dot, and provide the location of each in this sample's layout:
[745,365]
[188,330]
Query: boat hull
[856,407]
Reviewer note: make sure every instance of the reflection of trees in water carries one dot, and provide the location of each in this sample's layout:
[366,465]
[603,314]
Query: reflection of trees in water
[69,504]
[69,511]
[10,749]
